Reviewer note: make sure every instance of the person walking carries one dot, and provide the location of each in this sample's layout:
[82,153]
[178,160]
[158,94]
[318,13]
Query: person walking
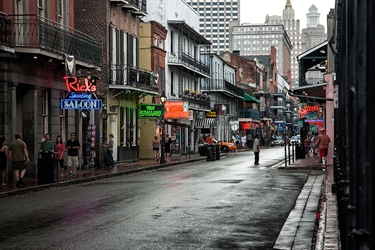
[323,141]
[109,147]
[4,158]
[155,147]
[59,147]
[307,144]
[243,141]
[72,145]
[167,146]
[256,150]
[18,156]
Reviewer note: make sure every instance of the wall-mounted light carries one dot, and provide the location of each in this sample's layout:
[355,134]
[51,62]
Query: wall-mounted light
[332,119]
[104,113]
[35,57]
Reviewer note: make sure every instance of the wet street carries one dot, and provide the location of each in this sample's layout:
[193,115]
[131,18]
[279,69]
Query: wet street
[226,204]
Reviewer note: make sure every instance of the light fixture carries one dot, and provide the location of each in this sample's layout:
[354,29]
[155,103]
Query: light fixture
[35,57]
[104,113]
[163,98]
[50,60]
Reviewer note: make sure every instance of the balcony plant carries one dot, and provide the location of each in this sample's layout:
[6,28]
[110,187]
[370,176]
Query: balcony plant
[208,97]
[198,94]
[204,95]
[193,92]
[186,91]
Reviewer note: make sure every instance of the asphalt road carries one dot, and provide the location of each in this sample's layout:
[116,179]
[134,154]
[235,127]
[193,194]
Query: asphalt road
[226,204]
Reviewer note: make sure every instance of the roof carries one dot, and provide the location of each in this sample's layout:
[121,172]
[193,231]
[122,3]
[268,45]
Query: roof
[188,31]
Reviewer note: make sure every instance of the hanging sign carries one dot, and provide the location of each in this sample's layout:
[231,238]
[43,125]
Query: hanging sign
[176,110]
[147,111]
[82,84]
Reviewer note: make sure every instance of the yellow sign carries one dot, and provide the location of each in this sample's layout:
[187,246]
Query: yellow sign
[176,110]
[211,114]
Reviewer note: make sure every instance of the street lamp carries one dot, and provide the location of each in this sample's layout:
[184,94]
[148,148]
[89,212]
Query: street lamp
[104,113]
[163,98]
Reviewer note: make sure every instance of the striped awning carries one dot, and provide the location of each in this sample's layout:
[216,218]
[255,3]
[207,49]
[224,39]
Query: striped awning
[205,123]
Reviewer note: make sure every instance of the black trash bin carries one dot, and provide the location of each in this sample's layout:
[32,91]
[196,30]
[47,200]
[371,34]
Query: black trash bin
[211,152]
[300,151]
[47,169]
[203,150]
[217,146]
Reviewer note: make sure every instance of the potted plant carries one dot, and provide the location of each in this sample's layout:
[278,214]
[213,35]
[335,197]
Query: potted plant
[193,92]
[198,94]
[186,91]
[209,97]
[204,95]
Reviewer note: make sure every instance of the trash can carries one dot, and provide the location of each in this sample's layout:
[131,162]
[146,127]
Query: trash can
[47,170]
[203,150]
[211,152]
[300,151]
[217,151]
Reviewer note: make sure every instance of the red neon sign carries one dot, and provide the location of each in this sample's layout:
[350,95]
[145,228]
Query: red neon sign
[176,110]
[74,84]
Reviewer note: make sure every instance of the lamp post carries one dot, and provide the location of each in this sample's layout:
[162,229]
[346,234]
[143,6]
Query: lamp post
[163,98]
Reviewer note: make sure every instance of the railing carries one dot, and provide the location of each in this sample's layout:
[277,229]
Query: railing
[249,113]
[209,85]
[278,104]
[197,102]
[133,77]
[191,62]
[39,32]
[5,30]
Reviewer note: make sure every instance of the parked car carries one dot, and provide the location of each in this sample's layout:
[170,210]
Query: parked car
[296,139]
[227,146]
[277,141]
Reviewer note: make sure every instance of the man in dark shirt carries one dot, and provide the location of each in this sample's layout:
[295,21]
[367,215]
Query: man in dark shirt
[72,145]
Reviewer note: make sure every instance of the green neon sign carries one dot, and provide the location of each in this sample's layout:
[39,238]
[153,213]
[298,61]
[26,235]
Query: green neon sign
[147,111]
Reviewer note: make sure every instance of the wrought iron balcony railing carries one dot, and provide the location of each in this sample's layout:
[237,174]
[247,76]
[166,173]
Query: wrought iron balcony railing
[132,76]
[190,62]
[215,85]
[5,30]
[197,102]
[34,31]
[280,104]
[249,113]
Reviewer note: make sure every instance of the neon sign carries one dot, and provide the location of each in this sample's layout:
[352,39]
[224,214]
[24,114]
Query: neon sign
[310,110]
[149,110]
[80,104]
[74,84]
[176,110]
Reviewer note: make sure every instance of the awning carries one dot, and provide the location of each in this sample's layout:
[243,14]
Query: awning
[205,123]
[249,98]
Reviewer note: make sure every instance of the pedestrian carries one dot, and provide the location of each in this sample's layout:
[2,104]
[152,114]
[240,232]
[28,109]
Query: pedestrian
[256,150]
[323,141]
[155,147]
[307,144]
[167,146]
[237,136]
[209,139]
[72,145]
[4,158]
[243,141]
[46,147]
[59,147]
[18,156]
[109,147]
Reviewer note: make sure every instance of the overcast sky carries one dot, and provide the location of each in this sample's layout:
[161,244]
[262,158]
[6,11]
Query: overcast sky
[255,11]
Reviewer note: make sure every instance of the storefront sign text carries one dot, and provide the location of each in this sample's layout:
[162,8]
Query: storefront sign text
[147,111]
[82,84]
[176,110]
[211,114]
[80,104]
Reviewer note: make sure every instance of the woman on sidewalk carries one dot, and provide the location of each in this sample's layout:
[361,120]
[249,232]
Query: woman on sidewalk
[4,157]
[59,149]
[155,147]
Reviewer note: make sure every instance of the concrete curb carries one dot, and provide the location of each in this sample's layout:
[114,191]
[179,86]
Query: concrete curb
[43,187]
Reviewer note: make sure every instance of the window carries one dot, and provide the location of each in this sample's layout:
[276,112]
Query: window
[45,104]
[128,125]
[172,37]
[62,118]
[172,83]
[59,7]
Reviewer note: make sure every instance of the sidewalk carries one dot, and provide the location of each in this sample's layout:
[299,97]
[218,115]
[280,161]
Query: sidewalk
[86,175]
[316,207]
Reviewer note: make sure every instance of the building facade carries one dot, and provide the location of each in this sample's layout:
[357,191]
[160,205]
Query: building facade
[44,57]
[214,18]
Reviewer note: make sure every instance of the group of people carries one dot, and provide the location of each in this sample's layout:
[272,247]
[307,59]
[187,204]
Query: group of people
[319,145]
[156,144]
[17,155]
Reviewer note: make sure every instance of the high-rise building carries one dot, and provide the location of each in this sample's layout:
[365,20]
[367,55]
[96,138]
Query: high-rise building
[257,39]
[292,27]
[214,20]
[314,33]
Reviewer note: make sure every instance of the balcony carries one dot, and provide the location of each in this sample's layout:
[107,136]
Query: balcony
[220,85]
[278,105]
[5,33]
[249,113]
[198,103]
[132,78]
[38,35]
[138,7]
[189,64]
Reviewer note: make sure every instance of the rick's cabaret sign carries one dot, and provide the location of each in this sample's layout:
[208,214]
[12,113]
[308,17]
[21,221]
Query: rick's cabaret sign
[80,93]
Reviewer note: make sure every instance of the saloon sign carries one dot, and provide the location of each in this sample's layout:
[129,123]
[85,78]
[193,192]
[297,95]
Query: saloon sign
[81,90]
